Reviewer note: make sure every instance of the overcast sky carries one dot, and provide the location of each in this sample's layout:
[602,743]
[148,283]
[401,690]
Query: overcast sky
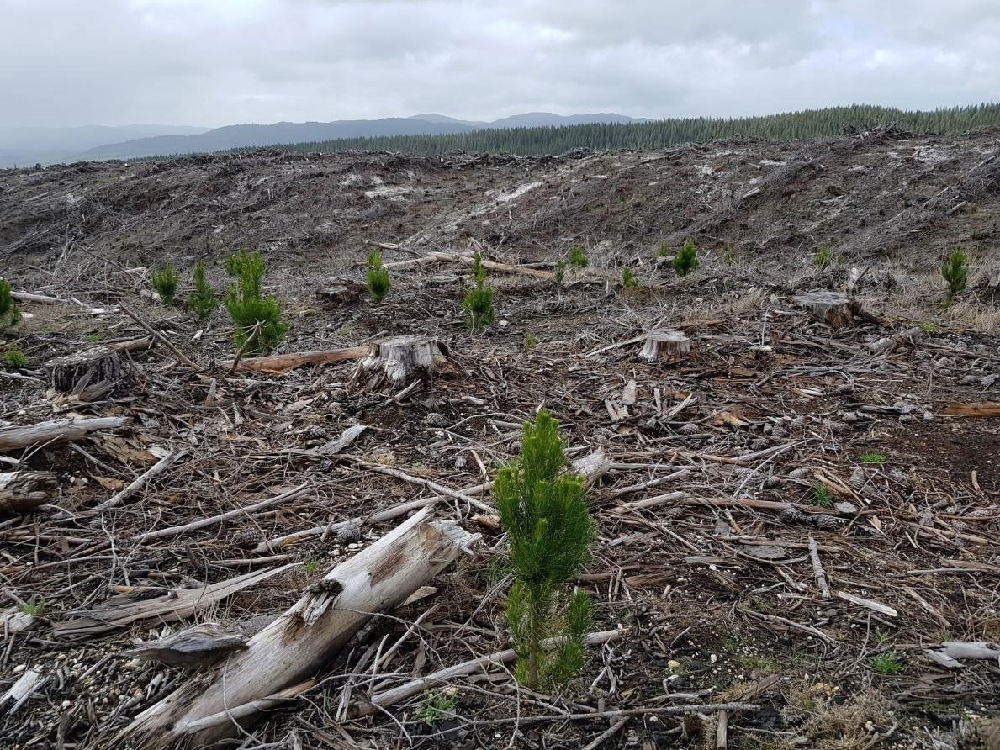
[214,62]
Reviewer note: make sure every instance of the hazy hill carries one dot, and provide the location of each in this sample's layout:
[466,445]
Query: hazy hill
[28,145]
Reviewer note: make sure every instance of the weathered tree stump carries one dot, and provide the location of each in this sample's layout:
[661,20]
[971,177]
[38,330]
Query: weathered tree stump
[341,292]
[97,368]
[835,309]
[665,345]
[400,360]
[24,490]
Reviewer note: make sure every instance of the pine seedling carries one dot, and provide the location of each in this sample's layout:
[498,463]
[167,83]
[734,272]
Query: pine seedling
[629,279]
[543,509]
[14,358]
[478,303]
[729,255]
[956,273]
[202,301]
[578,258]
[247,307]
[9,314]
[822,497]
[560,273]
[664,251]
[822,259]
[378,277]
[686,259]
[165,283]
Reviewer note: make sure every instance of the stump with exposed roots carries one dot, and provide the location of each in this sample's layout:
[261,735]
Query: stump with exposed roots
[400,360]
[94,371]
[666,346]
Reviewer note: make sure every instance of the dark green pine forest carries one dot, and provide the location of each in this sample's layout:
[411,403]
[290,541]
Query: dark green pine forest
[808,124]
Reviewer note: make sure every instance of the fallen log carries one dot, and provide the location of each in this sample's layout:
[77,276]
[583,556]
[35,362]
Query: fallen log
[280,363]
[21,436]
[24,490]
[304,639]
[176,604]
[972,410]
[158,468]
[467,258]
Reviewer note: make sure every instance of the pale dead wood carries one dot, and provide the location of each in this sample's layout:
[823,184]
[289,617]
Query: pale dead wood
[158,468]
[280,363]
[467,258]
[400,360]
[310,633]
[665,345]
[96,365]
[55,430]
[177,604]
[415,687]
[201,523]
[871,604]
[818,568]
[972,410]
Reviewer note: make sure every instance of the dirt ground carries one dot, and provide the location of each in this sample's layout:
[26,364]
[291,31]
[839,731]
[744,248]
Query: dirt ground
[775,429]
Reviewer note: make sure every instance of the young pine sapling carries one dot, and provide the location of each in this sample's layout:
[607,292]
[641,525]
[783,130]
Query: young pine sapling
[629,279]
[165,283]
[822,259]
[257,318]
[956,273]
[9,314]
[543,509]
[686,259]
[478,303]
[202,302]
[578,258]
[378,277]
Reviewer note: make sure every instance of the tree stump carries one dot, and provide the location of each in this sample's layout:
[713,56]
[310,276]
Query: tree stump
[341,292]
[835,309]
[400,360]
[95,369]
[666,345]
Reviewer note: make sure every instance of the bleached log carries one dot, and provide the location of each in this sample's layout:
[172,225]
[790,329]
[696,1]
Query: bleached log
[467,258]
[305,638]
[835,309]
[279,363]
[177,604]
[400,359]
[88,368]
[23,490]
[195,646]
[665,345]
[21,436]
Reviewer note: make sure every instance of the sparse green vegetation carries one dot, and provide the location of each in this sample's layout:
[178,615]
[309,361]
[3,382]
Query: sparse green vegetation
[9,314]
[478,302]
[686,259]
[929,327]
[165,283]
[822,497]
[378,277]
[544,512]
[33,606]
[822,259]
[529,341]
[436,706]
[559,275]
[202,301]
[664,251]
[956,273]
[257,318]
[577,258]
[887,662]
[312,566]
[629,280]
[874,457]
[728,255]
[14,358]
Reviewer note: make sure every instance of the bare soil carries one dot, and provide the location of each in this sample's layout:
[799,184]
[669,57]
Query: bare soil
[717,597]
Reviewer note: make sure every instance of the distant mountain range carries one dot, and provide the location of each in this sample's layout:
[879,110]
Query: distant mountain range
[26,146]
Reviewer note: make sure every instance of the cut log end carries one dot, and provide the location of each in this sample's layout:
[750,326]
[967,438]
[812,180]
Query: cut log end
[96,369]
[666,346]
[400,360]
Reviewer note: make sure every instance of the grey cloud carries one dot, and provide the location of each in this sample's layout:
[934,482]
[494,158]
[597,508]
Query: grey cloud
[213,62]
